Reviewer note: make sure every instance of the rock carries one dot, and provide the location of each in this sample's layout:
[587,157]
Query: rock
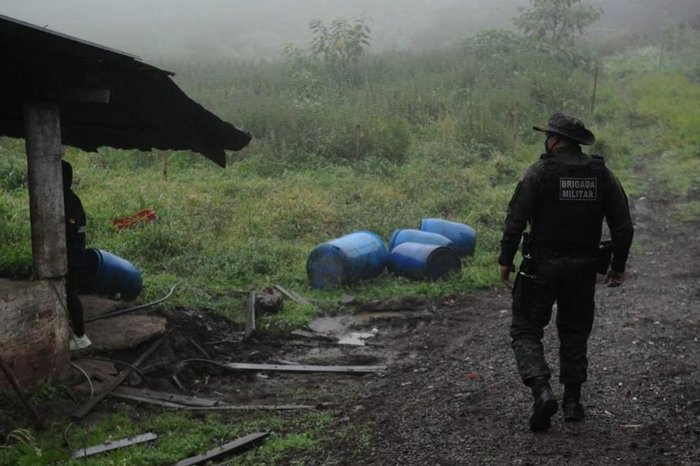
[269,301]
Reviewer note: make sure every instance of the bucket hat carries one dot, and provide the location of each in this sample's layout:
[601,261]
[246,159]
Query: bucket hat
[568,126]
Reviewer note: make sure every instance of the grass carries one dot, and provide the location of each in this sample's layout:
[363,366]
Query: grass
[180,435]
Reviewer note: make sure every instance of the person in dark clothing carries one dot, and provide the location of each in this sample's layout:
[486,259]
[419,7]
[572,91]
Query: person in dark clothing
[75,251]
[563,197]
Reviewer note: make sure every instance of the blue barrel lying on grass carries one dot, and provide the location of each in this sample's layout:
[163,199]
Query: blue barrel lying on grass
[110,275]
[463,236]
[424,261]
[357,256]
[417,236]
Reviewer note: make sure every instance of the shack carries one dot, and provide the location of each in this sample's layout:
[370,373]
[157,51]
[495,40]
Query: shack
[60,90]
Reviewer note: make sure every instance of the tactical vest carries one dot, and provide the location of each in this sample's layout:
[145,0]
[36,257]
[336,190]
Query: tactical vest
[569,205]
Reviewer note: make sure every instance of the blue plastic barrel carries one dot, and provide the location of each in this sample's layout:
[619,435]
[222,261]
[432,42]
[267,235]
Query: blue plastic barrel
[357,256]
[423,261]
[417,236]
[113,276]
[463,236]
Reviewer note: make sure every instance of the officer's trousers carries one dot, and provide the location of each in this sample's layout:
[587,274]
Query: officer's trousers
[570,283]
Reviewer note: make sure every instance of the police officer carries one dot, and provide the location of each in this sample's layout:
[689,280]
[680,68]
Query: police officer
[75,251]
[563,197]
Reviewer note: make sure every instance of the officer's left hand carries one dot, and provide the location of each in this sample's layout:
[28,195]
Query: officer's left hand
[505,273]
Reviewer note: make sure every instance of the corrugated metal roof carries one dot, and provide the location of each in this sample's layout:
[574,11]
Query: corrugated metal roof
[146,110]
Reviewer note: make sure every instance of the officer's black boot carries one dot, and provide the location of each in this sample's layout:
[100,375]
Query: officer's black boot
[544,407]
[570,403]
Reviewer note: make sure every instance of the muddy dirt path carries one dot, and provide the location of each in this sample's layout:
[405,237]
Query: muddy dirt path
[452,396]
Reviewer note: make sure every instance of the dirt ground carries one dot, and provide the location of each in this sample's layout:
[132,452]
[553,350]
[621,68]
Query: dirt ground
[450,394]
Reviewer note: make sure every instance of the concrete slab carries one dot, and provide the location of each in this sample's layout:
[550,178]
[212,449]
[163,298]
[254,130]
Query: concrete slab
[94,306]
[125,331]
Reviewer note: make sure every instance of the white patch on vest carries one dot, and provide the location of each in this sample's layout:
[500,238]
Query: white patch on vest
[578,189]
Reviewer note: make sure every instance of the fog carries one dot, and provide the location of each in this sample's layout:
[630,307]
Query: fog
[258,28]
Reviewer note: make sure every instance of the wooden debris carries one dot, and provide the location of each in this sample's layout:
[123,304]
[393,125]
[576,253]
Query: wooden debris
[250,315]
[178,384]
[126,392]
[199,348]
[20,394]
[304,368]
[87,407]
[100,373]
[174,405]
[236,446]
[109,446]
[296,297]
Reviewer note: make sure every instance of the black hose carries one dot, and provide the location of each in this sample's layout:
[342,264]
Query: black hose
[135,308]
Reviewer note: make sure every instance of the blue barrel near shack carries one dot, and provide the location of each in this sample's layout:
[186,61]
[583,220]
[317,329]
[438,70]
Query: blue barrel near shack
[417,236]
[463,236]
[110,275]
[358,256]
[424,261]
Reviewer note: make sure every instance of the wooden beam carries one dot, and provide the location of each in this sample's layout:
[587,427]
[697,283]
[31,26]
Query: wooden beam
[305,368]
[86,94]
[163,396]
[42,124]
[87,407]
[294,296]
[236,446]
[170,404]
[109,446]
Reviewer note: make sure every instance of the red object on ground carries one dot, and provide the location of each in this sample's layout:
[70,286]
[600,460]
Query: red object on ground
[143,216]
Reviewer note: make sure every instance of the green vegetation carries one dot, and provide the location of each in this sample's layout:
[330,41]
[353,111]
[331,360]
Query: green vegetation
[444,134]
[411,135]
[177,438]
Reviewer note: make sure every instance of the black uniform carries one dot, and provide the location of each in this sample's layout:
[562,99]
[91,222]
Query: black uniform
[75,250]
[564,197]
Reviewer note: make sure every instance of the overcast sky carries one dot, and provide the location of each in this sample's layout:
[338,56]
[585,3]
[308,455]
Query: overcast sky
[249,28]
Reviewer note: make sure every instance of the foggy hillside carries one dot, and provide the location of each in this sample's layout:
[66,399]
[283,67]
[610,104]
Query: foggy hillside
[244,28]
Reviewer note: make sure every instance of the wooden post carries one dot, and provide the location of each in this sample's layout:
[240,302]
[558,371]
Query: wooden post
[42,125]
[250,315]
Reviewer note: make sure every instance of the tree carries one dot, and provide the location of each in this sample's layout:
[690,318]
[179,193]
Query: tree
[556,21]
[341,44]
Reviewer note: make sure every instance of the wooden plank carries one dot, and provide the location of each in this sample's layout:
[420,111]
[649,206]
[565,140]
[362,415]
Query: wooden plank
[170,404]
[250,315]
[87,407]
[296,297]
[257,408]
[304,368]
[236,446]
[109,446]
[164,396]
